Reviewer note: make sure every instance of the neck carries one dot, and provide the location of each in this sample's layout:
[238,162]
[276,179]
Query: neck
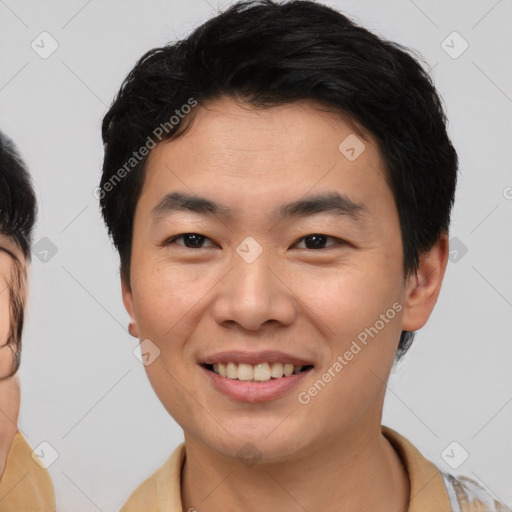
[357,471]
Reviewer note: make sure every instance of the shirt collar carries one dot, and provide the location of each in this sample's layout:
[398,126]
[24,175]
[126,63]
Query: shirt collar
[427,493]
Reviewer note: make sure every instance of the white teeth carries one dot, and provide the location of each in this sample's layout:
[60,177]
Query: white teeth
[276,370]
[231,371]
[245,372]
[288,369]
[262,372]
[220,368]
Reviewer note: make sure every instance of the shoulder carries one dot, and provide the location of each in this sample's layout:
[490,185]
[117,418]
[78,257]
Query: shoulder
[468,495]
[161,490]
[429,482]
[25,484]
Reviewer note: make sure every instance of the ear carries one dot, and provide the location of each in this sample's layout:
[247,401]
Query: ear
[422,288]
[133,328]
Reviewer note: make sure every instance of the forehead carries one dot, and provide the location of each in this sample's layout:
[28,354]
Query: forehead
[253,158]
[300,125]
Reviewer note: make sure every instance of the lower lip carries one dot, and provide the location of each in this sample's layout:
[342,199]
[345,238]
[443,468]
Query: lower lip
[255,391]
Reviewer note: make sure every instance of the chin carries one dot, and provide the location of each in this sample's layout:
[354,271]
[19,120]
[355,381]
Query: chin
[257,445]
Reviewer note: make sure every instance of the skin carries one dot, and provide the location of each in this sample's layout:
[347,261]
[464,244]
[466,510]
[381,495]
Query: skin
[190,302]
[9,388]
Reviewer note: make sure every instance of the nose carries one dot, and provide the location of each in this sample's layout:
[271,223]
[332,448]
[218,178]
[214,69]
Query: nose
[255,295]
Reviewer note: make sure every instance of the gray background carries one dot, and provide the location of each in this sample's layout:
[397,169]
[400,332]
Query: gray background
[85,393]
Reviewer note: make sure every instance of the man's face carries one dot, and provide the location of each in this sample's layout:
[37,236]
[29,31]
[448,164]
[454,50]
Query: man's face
[256,282]
[7,247]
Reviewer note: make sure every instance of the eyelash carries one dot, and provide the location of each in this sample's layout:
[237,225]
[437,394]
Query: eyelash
[339,241]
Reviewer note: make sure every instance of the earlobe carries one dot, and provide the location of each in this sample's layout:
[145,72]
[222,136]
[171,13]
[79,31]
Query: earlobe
[133,328]
[422,288]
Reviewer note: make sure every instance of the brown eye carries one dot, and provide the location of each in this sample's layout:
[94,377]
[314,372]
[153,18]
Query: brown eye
[190,240]
[317,241]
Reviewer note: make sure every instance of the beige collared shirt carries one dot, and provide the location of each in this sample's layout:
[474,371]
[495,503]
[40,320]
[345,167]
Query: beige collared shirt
[431,489]
[25,485]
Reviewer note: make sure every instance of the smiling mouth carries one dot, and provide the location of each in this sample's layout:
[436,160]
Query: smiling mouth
[263,372]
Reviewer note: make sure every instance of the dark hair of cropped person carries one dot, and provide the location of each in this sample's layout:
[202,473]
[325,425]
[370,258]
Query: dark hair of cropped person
[18,211]
[268,53]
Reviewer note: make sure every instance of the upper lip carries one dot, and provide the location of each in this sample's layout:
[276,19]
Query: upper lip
[265,356]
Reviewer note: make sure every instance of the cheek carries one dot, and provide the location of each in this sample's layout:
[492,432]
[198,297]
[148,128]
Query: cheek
[6,354]
[362,312]
[165,305]
[165,300]
[4,312]
[351,298]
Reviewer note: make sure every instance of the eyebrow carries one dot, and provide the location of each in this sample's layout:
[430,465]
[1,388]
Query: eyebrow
[332,203]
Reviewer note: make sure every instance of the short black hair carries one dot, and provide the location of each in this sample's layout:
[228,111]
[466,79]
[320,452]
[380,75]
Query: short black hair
[269,53]
[18,212]
[18,205]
